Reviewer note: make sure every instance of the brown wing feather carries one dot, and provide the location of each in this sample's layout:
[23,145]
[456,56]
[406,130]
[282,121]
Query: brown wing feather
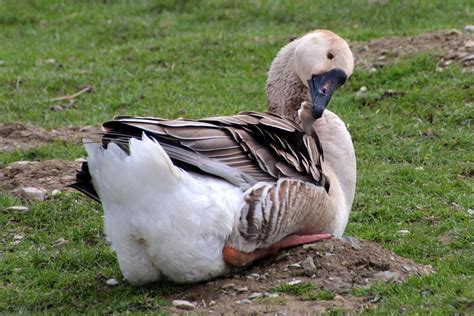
[265,146]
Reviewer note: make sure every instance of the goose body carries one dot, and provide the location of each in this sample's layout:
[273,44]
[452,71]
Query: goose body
[190,199]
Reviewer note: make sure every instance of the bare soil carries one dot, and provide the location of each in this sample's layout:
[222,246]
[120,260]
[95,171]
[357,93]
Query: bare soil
[45,175]
[452,46]
[19,136]
[341,265]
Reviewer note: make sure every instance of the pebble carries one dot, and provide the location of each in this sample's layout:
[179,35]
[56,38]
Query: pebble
[55,192]
[17,239]
[469,28]
[255,295]
[112,282]
[294,282]
[242,302]
[2,62]
[50,61]
[355,244]
[18,208]
[403,231]
[363,89]
[387,276]
[35,193]
[294,266]
[337,285]
[470,211]
[228,286]
[242,289]
[255,275]
[270,295]
[183,304]
[212,303]
[59,242]
[309,266]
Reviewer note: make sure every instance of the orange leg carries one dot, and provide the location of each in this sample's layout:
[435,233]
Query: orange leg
[241,259]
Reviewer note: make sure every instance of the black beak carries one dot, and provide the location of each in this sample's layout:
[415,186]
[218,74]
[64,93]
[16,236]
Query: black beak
[322,87]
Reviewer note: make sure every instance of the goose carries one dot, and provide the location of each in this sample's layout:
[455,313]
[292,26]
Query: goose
[189,200]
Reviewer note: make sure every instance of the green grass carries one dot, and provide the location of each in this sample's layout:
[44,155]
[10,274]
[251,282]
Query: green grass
[187,59]
[306,290]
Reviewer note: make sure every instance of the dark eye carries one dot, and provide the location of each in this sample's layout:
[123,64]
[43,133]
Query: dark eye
[330,55]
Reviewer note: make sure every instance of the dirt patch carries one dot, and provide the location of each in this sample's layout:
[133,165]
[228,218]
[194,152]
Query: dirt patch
[37,180]
[19,136]
[450,45]
[339,266]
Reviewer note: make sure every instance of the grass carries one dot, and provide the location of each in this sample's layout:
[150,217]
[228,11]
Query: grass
[178,58]
[306,290]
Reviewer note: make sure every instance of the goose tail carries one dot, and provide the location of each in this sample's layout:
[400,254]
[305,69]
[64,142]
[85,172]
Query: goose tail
[113,173]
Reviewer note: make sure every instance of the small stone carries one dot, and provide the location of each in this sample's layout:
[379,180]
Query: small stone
[2,62]
[60,242]
[228,286]
[309,266]
[56,108]
[183,304]
[469,44]
[336,285]
[354,242]
[255,295]
[18,239]
[242,302]
[212,303]
[242,289]
[249,277]
[467,58]
[294,266]
[406,267]
[372,69]
[51,61]
[470,211]
[387,276]
[363,89]
[112,282]
[270,295]
[469,28]
[35,193]
[56,192]
[255,275]
[403,232]
[18,208]
[294,282]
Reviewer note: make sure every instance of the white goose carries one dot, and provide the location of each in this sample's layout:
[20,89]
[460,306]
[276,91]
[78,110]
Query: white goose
[189,199]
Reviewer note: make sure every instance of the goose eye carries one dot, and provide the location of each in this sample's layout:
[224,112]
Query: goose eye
[330,55]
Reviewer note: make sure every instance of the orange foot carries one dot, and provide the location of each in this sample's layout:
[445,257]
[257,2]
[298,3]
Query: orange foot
[241,259]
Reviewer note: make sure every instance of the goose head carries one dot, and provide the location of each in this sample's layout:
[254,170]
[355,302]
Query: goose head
[309,69]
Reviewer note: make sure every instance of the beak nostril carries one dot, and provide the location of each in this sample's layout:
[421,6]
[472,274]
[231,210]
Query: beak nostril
[322,90]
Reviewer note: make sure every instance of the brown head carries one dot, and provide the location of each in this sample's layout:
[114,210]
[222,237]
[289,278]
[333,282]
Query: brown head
[310,68]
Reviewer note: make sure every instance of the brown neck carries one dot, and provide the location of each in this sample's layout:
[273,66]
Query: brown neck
[285,91]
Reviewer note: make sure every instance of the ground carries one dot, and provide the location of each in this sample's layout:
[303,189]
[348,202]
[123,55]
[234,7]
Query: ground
[408,107]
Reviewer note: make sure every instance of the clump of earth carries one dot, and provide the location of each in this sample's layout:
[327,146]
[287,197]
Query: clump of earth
[19,136]
[338,266]
[452,46]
